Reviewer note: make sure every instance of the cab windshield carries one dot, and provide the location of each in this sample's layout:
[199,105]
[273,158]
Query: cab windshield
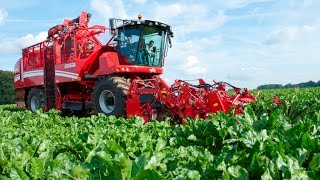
[141,46]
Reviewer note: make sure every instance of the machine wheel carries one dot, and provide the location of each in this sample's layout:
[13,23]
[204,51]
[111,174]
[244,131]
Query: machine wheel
[36,99]
[109,96]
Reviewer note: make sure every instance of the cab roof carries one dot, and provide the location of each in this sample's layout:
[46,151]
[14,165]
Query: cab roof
[156,24]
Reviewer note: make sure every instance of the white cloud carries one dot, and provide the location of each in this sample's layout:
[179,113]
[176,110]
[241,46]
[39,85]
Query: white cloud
[110,9]
[250,69]
[13,46]
[187,18]
[140,1]
[243,75]
[3,15]
[204,23]
[191,57]
[193,66]
[290,34]
[234,4]
[238,76]
[307,3]
[161,12]
[197,46]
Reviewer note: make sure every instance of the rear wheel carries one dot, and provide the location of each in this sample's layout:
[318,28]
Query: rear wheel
[36,99]
[109,96]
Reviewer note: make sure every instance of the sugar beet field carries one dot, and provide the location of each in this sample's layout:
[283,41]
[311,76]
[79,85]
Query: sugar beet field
[267,142]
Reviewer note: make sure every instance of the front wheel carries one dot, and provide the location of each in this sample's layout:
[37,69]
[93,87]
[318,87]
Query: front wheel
[109,96]
[36,99]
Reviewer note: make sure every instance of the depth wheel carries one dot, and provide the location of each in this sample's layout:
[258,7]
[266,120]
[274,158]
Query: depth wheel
[36,99]
[109,96]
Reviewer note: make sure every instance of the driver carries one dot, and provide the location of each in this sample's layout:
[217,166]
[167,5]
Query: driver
[149,53]
[150,48]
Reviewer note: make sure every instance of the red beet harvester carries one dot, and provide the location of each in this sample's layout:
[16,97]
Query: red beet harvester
[73,70]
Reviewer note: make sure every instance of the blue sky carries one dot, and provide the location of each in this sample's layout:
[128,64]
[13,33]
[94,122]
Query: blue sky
[244,42]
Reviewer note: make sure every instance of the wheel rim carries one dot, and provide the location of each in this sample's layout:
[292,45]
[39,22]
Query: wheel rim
[107,101]
[34,104]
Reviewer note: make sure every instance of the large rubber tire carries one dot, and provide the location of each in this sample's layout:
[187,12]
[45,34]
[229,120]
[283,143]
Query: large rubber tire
[36,99]
[109,96]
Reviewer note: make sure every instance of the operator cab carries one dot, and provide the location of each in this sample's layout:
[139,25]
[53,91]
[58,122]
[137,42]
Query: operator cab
[141,42]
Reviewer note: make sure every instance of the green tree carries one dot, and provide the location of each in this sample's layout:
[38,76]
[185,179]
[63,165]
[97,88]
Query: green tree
[300,85]
[6,87]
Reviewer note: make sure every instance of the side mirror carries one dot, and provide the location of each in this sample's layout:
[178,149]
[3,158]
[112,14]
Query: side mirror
[170,44]
[112,25]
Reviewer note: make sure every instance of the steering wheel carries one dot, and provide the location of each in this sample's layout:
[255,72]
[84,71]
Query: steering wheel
[132,49]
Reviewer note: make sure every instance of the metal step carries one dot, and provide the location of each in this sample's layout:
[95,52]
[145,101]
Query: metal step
[49,79]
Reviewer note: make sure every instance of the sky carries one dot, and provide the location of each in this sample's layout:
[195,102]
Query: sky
[244,42]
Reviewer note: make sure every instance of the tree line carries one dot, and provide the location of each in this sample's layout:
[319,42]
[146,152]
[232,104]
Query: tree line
[300,85]
[6,87]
